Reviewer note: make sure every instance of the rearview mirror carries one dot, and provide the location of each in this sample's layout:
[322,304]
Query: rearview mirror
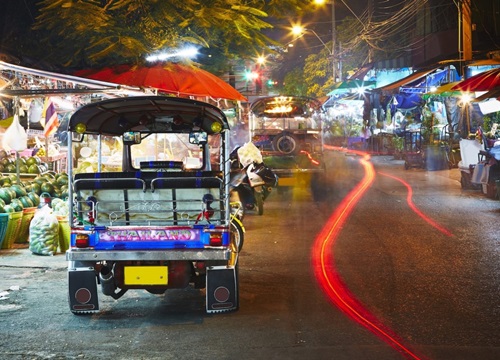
[76,137]
[131,138]
[198,138]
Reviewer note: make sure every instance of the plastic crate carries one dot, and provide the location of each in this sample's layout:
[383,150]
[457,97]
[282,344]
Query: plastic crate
[64,233]
[24,231]
[4,222]
[13,228]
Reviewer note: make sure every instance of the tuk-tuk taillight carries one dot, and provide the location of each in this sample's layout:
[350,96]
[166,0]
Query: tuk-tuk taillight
[82,241]
[216,239]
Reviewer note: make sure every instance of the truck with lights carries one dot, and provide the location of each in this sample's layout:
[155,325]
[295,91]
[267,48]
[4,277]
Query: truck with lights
[150,210]
[288,131]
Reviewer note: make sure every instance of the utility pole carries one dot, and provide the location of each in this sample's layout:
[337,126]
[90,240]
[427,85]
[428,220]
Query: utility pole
[334,40]
[464,32]
[370,16]
[466,29]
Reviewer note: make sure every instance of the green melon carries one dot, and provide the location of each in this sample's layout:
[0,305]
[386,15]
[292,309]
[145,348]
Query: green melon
[9,209]
[5,195]
[35,198]
[17,205]
[19,189]
[33,169]
[47,187]
[26,201]
[36,188]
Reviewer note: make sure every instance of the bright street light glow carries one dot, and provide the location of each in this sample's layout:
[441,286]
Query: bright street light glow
[297,30]
[189,52]
[360,90]
[466,98]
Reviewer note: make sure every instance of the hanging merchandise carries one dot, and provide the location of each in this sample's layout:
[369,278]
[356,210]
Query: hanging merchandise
[15,137]
[35,111]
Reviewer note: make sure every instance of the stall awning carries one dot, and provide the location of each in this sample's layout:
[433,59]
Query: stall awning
[426,83]
[394,87]
[361,72]
[92,86]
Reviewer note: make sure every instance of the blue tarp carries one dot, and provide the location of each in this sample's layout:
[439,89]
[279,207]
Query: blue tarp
[425,83]
[407,101]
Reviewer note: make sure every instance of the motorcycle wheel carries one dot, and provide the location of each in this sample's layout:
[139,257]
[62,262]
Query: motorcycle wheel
[237,234]
[259,202]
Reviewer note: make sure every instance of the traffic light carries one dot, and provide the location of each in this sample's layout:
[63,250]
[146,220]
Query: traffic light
[251,75]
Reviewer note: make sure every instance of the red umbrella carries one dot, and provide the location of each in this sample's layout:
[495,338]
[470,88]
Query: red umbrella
[484,81]
[172,78]
[492,94]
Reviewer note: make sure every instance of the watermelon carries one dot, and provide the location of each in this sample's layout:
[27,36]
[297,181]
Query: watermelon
[34,160]
[5,195]
[9,209]
[17,205]
[26,201]
[62,180]
[11,191]
[19,189]
[33,169]
[35,198]
[36,188]
[39,180]
[48,188]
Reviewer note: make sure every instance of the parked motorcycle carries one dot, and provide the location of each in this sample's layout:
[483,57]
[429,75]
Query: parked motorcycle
[489,158]
[250,183]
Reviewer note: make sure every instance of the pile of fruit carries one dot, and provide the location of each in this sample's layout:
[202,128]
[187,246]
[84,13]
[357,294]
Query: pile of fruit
[27,164]
[16,196]
[44,232]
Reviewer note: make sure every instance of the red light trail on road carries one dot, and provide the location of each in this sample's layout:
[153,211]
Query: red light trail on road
[417,211]
[324,268]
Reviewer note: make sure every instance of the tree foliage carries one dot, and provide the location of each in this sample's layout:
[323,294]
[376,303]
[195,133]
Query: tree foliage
[294,83]
[97,32]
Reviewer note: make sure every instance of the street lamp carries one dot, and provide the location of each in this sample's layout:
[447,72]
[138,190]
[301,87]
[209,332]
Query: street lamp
[298,30]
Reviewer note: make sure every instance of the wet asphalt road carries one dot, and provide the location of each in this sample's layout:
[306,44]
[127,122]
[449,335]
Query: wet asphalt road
[439,294]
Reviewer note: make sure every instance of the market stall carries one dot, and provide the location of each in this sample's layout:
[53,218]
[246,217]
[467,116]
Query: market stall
[34,106]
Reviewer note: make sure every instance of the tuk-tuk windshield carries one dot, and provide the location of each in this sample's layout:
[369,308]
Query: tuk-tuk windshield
[168,147]
[286,112]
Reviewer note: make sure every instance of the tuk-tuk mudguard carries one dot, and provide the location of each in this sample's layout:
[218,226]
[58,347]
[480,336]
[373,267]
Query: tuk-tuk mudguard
[83,297]
[222,289]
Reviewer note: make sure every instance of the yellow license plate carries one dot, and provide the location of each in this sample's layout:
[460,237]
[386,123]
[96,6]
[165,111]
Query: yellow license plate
[289,181]
[146,275]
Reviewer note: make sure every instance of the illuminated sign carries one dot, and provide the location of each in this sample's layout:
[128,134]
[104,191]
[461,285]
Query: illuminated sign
[149,234]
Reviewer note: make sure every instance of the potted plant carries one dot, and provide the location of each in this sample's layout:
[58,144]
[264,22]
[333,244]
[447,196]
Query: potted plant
[397,144]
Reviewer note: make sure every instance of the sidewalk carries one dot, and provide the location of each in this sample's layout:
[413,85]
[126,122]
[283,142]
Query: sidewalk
[388,160]
[21,256]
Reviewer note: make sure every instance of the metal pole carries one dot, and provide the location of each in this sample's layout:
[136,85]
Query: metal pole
[334,39]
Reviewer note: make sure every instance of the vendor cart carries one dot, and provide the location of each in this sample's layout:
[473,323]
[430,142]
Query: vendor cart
[412,149]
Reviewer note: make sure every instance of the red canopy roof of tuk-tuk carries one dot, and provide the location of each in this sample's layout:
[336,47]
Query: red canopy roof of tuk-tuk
[179,79]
